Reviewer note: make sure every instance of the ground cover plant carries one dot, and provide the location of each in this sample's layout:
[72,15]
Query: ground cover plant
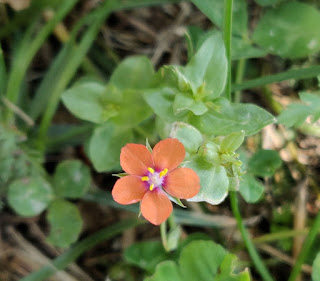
[159,140]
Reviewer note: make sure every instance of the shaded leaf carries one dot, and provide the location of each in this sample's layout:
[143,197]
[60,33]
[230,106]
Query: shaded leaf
[65,223]
[145,255]
[214,10]
[29,196]
[71,179]
[289,30]
[105,145]
[250,188]
[264,163]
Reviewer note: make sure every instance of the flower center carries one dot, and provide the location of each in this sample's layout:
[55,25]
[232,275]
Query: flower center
[154,179]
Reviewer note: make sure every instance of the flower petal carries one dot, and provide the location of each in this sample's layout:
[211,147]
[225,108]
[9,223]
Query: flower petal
[156,206]
[135,159]
[168,154]
[129,190]
[183,183]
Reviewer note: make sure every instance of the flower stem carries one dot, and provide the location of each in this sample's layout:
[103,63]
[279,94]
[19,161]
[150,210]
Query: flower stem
[247,241]
[227,41]
[164,237]
[241,65]
[305,249]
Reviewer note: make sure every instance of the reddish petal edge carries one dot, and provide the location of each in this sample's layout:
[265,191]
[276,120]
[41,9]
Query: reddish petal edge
[129,190]
[156,207]
[183,183]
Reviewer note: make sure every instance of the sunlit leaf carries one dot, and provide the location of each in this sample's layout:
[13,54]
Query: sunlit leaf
[213,181]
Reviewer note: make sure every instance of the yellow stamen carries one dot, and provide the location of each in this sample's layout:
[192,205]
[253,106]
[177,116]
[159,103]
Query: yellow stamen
[151,170]
[151,187]
[163,173]
[145,178]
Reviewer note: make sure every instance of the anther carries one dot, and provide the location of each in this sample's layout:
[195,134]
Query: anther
[151,187]
[163,173]
[145,178]
[151,170]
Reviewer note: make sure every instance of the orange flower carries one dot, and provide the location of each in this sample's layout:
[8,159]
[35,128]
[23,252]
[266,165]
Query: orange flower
[154,175]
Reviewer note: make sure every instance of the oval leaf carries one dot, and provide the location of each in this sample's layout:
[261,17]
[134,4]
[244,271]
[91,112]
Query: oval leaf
[264,163]
[71,179]
[146,255]
[190,137]
[232,118]
[134,72]
[105,145]
[250,188]
[232,142]
[29,196]
[85,100]
[289,30]
[213,181]
[65,223]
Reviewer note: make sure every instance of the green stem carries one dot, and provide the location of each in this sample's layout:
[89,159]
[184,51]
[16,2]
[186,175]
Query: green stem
[301,73]
[227,42]
[305,249]
[164,237]
[79,248]
[245,236]
[239,77]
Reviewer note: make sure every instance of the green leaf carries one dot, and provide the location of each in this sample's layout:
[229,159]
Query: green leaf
[84,100]
[226,270]
[135,72]
[65,223]
[316,268]
[211,152]
[200,260]
[207,69]
[243,49]
[294,115]
[213,181]
[29,196]
[71,179]
[232,118]
[145,255]
[161,101]
[105,145]
[264,163]
[250,188]
[289,30]
[313,100]
[232,142]
[164,270]
[268,2]
[190,137]
[183,102]
[214,10]
[132,100]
